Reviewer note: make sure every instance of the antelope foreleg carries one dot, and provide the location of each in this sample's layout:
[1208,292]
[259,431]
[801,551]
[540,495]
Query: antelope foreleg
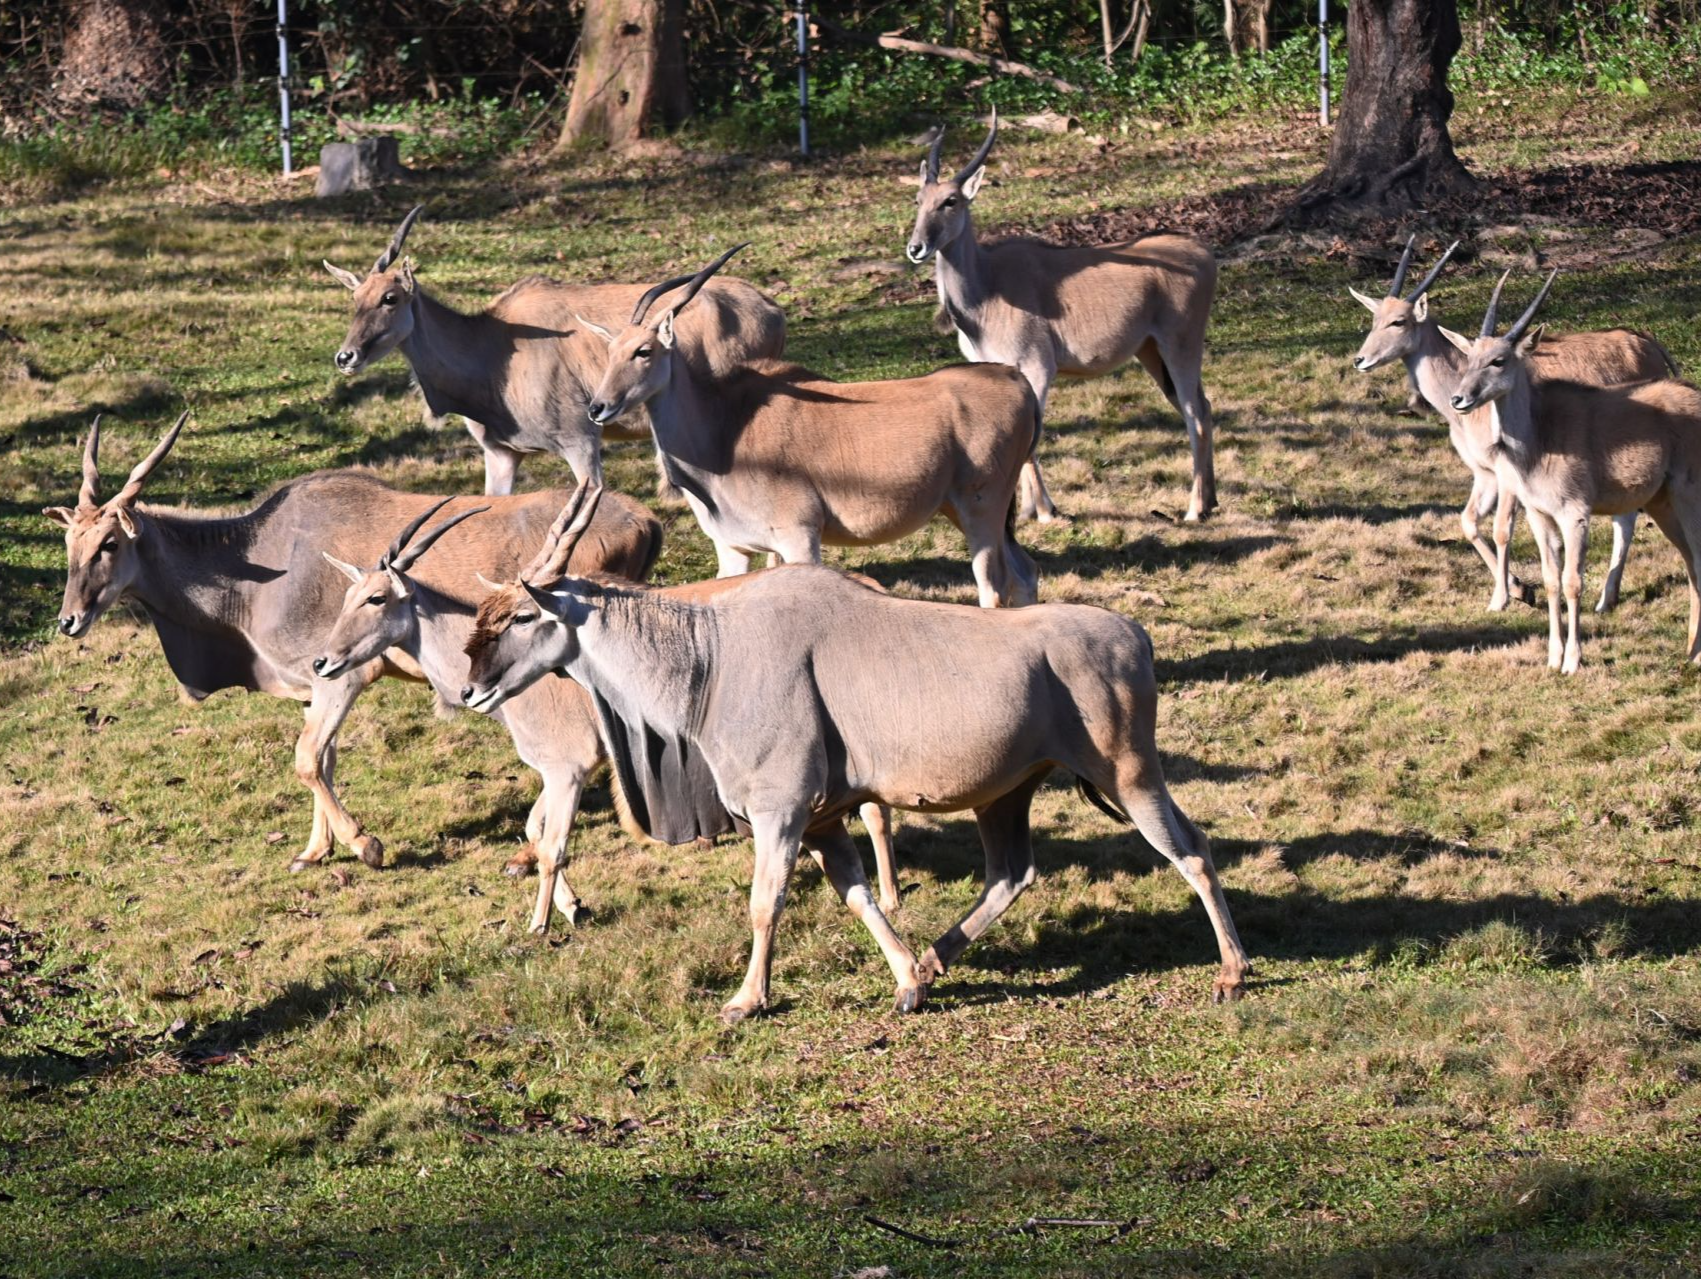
[561,800]
[777,839]
[878,819]
[315,765]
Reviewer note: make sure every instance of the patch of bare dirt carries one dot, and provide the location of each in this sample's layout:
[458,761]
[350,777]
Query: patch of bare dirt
[1642,205]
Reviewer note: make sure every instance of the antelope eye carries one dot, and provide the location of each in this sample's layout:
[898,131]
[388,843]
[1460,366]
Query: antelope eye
[1396,324]
[374,599]
[108,547]
[524,619]
[1498,363]
[389,299]
[949,202]
[643,353]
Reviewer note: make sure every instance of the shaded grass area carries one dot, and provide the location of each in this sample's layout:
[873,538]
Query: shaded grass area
[1474,1045]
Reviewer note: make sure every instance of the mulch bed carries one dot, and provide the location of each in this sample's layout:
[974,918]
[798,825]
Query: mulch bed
[1663,199]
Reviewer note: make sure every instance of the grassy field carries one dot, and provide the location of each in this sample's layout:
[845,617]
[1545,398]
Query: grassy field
[1471,888]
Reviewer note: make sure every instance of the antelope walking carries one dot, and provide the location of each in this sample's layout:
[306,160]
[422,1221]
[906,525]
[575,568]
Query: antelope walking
[519,373]
[1569,451]
[779,697]
[778,459]
[1076,312]
[243,601]
[1404,328]
[553,722]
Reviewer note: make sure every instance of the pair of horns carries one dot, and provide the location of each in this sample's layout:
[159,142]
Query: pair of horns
[90,493]
[394,249]
[1493,313]
[550,563]
[980,156]
[695,282]
[1406,264]
[401,559]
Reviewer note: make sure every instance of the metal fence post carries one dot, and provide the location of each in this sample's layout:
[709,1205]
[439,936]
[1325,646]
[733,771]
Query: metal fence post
[283,82]
[802,76]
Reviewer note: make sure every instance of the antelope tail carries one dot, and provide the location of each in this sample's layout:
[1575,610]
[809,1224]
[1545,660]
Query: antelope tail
[1096,798]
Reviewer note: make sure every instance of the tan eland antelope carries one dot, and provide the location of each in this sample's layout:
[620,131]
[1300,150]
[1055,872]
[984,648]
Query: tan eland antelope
[519,372]
[776,459]
[797,694]
[1052,311]
[1405,328]
[244,601]
[1569,451]
[553,722]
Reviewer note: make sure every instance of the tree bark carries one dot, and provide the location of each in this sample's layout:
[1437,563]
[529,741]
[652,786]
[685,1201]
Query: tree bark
[995,28]
[1391,148]
[631,76]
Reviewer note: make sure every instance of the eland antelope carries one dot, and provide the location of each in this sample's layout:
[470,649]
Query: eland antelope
[244,601]
[553,722]
[1055,311]
[797,694]
[776,459]
[519,372]
[1569,451]
[1403,327]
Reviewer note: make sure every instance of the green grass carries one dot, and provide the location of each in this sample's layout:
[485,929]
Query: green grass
[1474,1046]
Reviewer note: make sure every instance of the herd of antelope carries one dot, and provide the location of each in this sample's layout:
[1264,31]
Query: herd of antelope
[778,701]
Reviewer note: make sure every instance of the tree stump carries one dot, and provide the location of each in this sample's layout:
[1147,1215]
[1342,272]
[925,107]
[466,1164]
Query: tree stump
[358,166]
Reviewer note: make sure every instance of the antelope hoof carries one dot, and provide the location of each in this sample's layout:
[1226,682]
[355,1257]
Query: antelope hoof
[310,858]
[1573,659]
[1228,988]
[1499,602]
[1607,602]
[521,863]
[576,914]
[910,999]
[370,850]
[736,1010]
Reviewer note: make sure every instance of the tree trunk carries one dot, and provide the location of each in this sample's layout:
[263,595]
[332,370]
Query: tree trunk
[995,28]
[1391,148]
[631,76]
[115,55]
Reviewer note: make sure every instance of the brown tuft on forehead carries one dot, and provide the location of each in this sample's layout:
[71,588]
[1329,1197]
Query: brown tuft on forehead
[494,616]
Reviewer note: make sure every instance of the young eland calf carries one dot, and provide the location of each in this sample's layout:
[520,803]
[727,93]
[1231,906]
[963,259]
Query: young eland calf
[1569,451]
[775,700]
[776,459]
[1075,312]
[519,373]
[1405,328]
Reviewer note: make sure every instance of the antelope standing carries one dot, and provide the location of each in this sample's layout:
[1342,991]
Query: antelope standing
[1569,451]
[243,601]
[1074,312]
[519,373]
[553,722]
[1403,328]
[778,459]
[779,696]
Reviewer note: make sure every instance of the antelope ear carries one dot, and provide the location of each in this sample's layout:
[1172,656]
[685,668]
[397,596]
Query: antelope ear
[127,522]
[971,184]
[1420,308]
[399,584]
[407,274]
[923,180]
[1463,343]
[1531,341]
[60,515]
[1369,304]
[544,600]
[601,332]
[495,586]
[664,331]
[348,279]
[347,570]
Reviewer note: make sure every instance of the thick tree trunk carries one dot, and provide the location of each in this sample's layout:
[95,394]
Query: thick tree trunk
[995,28]
[631,76]
[1391,148]
[115,55]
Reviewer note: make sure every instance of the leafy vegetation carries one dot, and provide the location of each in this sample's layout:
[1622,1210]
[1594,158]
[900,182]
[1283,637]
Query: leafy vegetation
[1471,888]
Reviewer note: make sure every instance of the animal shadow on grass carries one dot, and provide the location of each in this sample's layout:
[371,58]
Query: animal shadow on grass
[297,1005]
[1288,658]
[1144,553]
